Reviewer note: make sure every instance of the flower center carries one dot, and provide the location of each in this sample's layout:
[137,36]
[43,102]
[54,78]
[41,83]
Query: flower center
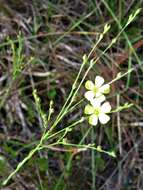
[97,111]
[95,90]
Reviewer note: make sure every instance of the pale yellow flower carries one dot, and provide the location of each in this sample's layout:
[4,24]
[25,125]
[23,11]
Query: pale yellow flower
[96,112]
[96,89]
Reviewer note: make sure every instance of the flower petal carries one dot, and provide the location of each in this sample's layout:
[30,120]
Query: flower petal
[106,107]
[89,95]
[101,98]
[88,109]
[99,81]
[89,85]
[105,89]
[93,120]
[103,118]
[95,103]
[98,93]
